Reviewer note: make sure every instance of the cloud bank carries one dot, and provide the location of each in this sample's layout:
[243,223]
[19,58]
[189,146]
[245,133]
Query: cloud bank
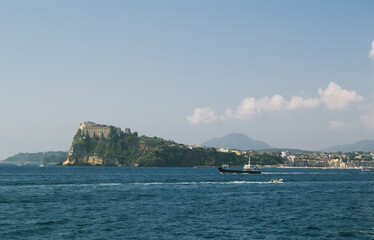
[333,97]
[250,106]
[371,54]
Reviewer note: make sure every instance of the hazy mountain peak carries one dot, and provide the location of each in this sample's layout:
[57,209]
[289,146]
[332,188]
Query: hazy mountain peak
[237,141]
[362,145]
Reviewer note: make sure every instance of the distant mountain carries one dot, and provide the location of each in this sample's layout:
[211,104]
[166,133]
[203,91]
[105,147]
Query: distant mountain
[237,141]
[363,145]
[37,158]
[290,150]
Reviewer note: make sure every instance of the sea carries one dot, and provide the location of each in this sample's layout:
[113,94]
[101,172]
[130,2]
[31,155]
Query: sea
[56,202]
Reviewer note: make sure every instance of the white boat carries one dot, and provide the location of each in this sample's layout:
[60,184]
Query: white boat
[42,164]
[248,168]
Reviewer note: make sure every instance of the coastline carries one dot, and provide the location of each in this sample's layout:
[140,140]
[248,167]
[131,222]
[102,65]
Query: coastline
[357,168]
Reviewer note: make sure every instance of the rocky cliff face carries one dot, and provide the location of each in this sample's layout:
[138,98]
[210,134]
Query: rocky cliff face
[75,158]
[93,151]
[69,160]
[98,149]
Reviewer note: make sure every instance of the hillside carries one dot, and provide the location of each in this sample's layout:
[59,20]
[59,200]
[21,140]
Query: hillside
[128,149]
[37,158]
[363,145]
[237,141]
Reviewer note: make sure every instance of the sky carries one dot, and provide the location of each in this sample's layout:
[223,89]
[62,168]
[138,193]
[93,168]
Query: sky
[295,74]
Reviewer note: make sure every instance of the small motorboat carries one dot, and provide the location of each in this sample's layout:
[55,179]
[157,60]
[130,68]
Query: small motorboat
[42,164]
[277,180]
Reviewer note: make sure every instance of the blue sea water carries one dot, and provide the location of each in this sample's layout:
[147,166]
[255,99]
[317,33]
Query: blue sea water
[184,203]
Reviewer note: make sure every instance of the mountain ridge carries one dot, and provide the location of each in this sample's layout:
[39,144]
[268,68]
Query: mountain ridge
[51,157]
[362,145]
[238,141]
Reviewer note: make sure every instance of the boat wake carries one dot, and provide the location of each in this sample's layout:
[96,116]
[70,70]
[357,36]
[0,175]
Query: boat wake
[299,173]
[114,184]
[202,183]
[109,184]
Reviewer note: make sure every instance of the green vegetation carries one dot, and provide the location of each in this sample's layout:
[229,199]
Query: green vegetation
[357,156]
[267,159]
[37,158]
[128,149]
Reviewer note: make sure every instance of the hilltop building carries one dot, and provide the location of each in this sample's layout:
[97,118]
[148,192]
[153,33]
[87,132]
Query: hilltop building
[92,129]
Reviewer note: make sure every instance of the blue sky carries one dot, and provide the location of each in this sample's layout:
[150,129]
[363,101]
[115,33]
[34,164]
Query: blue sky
[291,73]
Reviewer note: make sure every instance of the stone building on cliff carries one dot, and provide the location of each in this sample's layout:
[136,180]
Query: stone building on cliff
[92,129]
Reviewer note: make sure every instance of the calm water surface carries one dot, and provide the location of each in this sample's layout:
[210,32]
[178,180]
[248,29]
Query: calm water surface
[184,203]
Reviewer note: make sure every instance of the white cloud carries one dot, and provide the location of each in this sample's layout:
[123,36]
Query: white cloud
[371,54]
[202,115]
[250,106]
[299,102]
[337,98]
[245,109]
[333,96]
[367,119]
[336,125]
[275,103]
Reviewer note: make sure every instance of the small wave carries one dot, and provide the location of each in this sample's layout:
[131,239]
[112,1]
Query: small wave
[200,183]
[63,185]
[297,173]
[86,184]
[234,182]
[109,184]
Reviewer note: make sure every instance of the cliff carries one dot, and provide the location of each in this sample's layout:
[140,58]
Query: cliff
[120,148]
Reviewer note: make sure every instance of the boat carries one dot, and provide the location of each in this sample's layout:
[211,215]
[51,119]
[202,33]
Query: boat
[246,169]
[42,164]
[277,180]
[367,169]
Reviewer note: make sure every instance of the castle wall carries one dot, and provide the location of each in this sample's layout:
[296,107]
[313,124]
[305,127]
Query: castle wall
[91,129]
[97,131]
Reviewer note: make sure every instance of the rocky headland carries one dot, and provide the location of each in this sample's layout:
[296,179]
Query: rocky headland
[105,145]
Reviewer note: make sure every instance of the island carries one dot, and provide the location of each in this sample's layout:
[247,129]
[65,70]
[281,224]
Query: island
[106,145]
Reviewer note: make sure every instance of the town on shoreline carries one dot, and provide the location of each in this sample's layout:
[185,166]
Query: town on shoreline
[321,160]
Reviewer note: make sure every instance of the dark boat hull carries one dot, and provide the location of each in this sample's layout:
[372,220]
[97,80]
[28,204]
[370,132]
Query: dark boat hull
[223,170]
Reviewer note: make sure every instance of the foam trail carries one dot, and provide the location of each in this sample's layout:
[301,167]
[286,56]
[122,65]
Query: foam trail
[109,184]
[298,173]
[200,183]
